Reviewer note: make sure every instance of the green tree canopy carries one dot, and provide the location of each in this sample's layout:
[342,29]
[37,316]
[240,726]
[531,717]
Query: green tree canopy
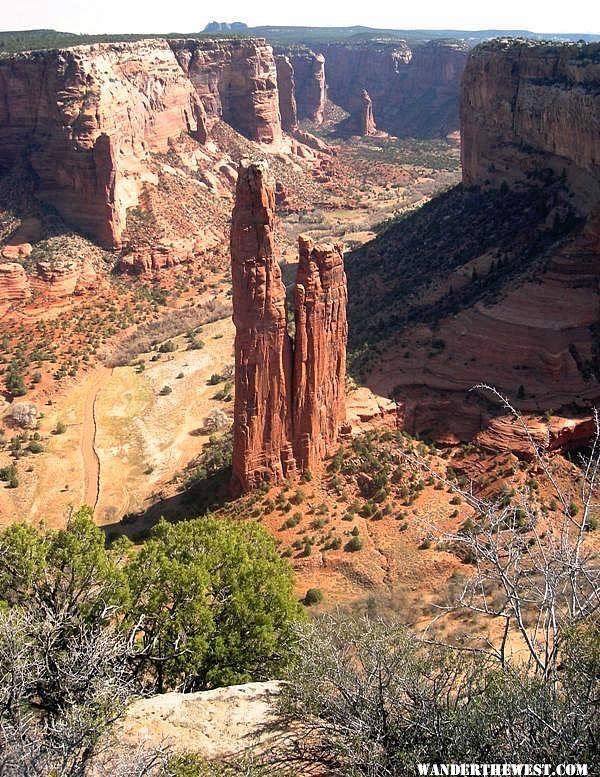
[214,603]
[66,571]
[203,603]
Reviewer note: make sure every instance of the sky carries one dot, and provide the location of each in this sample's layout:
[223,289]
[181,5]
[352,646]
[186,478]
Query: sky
[119,16]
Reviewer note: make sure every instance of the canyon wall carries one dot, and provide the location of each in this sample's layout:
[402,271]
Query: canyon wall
[507,292]
[415,91]
[236,80]
[309,76]
[286,85]
[84,118]
[289,398]
[527,107]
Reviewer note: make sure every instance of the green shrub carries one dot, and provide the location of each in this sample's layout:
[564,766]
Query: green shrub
[313,596]
[167,347]
[354,544]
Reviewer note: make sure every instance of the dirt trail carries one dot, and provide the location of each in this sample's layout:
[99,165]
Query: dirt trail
[91,461]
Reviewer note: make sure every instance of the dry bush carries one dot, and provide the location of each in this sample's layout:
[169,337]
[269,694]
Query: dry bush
[175,322]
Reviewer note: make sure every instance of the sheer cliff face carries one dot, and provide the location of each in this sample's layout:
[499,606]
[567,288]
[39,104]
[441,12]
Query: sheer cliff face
[236,80]
[415,92]
[309,75]
[287,93]
[84,118]
[320,352]
[526,107]
[262,443]
[289,398]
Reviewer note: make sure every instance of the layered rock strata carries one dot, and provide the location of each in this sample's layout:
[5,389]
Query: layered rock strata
[289,399]
[236,80]
[85,118]
[319,404]
[14,284]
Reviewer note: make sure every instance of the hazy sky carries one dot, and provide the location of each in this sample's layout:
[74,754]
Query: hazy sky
[97,16]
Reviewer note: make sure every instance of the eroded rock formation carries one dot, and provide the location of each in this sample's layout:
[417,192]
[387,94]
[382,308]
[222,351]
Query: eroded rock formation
[319,405]
[309,77]
[84,118]
[262,428]
[287,93]
[289,400]
[367,121]
[14,284]
[236,80]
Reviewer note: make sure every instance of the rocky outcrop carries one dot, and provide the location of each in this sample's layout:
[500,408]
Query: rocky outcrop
[19,244]
[556,434]
[367,121]
[236,80]
[262,427]
[218,724]
[85,118]
[415,91]
[320,351]
[287,93]
[14,284]
[529,107]
[309,77]
[289,401]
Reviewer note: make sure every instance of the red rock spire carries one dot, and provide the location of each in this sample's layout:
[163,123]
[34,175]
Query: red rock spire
[319,406]
[288,405]
[368,122]
[262,447]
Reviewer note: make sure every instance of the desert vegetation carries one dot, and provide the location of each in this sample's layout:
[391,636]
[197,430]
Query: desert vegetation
[84,627]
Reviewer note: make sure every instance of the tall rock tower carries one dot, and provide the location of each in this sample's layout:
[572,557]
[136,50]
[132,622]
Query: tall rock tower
[289,399]
[262,432]
[368,126]
[319,402]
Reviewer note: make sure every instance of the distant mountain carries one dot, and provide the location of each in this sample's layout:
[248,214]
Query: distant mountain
[226,27]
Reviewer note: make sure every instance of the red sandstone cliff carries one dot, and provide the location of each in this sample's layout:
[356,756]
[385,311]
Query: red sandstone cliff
[309,76]
[289,400]
[85,118]
[529,107]
[319,406]
[236,80]
[262,443]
